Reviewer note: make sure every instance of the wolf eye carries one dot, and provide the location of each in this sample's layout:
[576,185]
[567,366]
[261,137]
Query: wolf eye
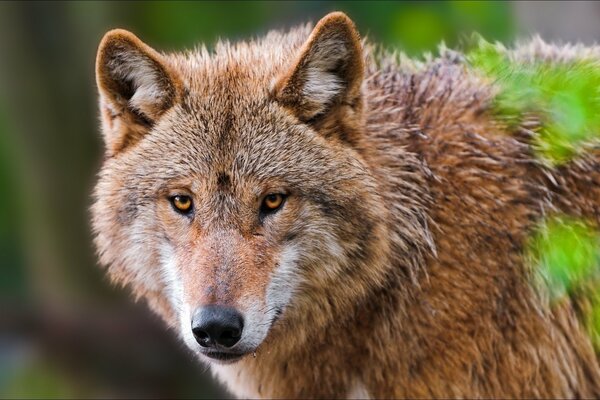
[182,204]
[272,202]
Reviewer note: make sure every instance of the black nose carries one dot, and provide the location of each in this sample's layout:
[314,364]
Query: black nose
[215,326]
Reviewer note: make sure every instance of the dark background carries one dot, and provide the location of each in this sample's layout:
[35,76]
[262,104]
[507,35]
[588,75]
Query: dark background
[64,331]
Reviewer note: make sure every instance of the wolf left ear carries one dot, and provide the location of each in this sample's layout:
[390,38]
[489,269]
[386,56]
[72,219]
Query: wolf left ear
[328,73]
[136,87]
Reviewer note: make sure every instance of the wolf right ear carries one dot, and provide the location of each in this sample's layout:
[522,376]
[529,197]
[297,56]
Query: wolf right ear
[136,87]
[327,76]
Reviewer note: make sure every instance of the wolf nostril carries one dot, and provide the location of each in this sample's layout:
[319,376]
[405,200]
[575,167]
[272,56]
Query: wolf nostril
[202,337]
[229,337]
[217,326]
[201,334]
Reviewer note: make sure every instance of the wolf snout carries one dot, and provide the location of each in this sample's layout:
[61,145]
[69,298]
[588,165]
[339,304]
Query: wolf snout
[216,326]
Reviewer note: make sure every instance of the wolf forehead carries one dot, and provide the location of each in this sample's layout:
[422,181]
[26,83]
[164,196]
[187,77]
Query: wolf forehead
[228,143]
[226,117]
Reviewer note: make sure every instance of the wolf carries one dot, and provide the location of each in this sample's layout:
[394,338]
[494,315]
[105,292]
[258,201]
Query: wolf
[316,218]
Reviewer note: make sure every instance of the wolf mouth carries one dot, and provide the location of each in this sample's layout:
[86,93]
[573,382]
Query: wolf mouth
[224,357]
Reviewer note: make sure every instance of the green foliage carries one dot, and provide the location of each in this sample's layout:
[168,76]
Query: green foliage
[566,96]
[415,27]
[183,23]
[567,254]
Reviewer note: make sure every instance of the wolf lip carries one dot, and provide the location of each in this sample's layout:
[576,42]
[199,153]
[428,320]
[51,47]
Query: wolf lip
[222,356]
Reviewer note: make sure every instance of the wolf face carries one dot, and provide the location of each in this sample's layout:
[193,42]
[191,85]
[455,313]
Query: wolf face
[235,196]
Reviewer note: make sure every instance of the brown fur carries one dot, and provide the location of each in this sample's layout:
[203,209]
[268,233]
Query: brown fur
[410,204]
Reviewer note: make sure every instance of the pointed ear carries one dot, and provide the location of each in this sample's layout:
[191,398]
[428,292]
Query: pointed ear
[136,87]
[328,72]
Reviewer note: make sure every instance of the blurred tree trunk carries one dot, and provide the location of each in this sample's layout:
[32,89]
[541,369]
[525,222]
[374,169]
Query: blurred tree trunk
[45,73]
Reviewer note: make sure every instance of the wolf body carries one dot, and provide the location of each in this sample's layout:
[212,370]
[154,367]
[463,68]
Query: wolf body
[394,265]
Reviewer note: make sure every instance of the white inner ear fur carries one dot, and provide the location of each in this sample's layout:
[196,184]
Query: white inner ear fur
[321,74]
[148,85]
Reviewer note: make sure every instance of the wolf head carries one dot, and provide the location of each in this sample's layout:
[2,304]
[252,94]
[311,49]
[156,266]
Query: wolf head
[236,195]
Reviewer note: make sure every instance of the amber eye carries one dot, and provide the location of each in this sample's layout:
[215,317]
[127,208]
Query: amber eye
[182,203]
[272,202]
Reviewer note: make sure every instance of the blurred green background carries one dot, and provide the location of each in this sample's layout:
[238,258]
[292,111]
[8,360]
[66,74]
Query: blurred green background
[64,331]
